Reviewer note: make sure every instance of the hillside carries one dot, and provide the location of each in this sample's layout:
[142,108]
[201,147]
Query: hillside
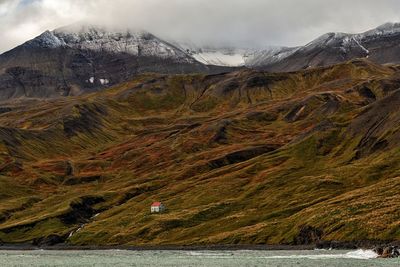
[246,157]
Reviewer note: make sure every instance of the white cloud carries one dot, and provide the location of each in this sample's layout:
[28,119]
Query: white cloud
[237,22]
[23,20]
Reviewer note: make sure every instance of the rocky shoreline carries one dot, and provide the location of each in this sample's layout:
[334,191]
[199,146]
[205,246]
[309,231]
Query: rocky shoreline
[384,250]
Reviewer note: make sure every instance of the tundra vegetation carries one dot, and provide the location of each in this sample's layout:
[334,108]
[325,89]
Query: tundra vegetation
[246,157]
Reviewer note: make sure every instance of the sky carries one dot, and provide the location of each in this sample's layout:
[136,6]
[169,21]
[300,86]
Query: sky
[240,23]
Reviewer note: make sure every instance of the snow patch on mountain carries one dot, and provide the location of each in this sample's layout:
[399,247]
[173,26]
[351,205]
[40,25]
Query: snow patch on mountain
[214,55]
[361,46]
[219,58]
[236,57]
[104,81]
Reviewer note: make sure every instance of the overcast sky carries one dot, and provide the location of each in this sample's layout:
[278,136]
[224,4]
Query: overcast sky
[254,23]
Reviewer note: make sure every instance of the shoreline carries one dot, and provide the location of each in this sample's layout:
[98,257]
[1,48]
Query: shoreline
[328,245]
[27,247]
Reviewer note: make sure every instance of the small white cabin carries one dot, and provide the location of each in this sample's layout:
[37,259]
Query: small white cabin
[157,207]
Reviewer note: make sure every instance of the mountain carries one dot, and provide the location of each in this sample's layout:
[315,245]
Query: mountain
[214,55]
[246,157]
[380,45]
[80,58]
[258,58]
[235,57]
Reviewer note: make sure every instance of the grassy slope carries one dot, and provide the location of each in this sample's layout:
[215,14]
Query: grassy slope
[245,157]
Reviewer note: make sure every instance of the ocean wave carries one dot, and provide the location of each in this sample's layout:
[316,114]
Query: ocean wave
[362,254]
[357,254]
[330,254]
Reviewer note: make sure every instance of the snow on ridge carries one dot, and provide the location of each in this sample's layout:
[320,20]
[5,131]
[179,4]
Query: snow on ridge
[46,40]
[268,56]
[349,39]
[345,41]
[137,43]
[142,43]
[328,39]
[384,29]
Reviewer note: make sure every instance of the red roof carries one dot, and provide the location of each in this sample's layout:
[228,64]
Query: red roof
[156,204]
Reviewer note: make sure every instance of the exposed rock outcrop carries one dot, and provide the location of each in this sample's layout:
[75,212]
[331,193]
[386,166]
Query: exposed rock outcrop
[387,251]
[308,235]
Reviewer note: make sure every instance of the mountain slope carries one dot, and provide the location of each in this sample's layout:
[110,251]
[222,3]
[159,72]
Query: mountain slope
[246,157]
[235,57]
[78,59]
[381,45]
[214,55]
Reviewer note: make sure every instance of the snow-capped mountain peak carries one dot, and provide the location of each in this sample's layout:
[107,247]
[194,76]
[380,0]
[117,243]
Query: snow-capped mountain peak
[90,37]
[46,40]
[327,39]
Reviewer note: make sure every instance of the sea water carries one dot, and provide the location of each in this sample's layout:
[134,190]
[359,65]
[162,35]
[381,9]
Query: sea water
[116,258]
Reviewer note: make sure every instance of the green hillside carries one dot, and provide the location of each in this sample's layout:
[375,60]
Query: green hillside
[239,158]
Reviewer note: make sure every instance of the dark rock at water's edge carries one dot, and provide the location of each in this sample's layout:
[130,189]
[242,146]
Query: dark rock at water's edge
[309,235]
[384,250]
[50,240]
[387,251]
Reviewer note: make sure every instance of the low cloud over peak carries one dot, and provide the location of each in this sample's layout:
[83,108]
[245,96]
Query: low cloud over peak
[252,23]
